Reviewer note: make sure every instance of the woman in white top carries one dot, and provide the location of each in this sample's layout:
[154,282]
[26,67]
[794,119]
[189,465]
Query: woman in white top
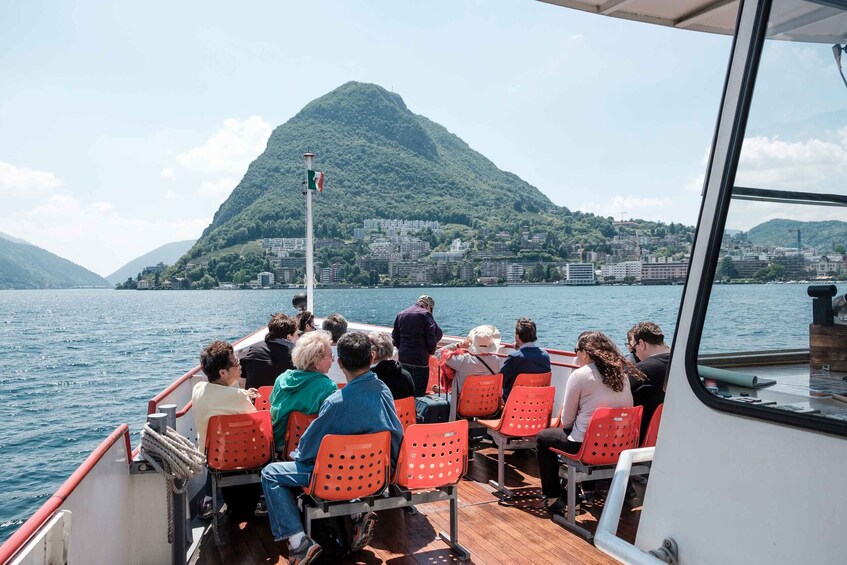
[602,381]
[477,355]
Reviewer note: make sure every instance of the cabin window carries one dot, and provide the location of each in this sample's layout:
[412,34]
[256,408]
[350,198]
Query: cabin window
[767,348]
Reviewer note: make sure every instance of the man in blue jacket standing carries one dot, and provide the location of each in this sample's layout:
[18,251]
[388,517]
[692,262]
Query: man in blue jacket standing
[527,357]
[416,335]
[364,406]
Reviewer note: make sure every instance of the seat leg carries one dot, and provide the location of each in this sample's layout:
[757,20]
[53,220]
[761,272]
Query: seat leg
[215,511]
[453,539]
[571,495]
[307,519]
[500,483]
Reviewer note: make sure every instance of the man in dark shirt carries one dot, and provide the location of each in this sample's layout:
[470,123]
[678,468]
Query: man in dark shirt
[416,336]
[646,342]
[527,357]
[263,362]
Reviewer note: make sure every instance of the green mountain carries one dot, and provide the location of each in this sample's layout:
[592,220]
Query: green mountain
[380,161]
[167,254]
[26,266]
[783,233]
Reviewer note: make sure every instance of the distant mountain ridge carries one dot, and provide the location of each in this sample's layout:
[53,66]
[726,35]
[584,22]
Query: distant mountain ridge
[167,254]
[380,160]
[782,233]
[25,266]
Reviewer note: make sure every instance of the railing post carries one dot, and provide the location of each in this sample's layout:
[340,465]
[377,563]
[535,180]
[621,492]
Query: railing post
[160,422]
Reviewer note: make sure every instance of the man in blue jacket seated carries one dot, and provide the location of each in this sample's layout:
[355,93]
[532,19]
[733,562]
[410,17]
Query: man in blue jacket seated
[364,406]
[527,357]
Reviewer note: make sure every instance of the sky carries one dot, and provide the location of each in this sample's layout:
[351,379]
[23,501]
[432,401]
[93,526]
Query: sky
[125,126]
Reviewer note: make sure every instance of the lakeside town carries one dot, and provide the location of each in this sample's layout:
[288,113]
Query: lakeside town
[397,252]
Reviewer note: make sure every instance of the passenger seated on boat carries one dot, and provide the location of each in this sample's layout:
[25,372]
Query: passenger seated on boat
[336,325]
[527,357]
[219,397]
[364,406]
[646,342]
[600,382]
[305,387]
[305,322]
[263,362]
[475,355]
[396,378]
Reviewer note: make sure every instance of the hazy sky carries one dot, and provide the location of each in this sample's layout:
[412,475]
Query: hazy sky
[126,125]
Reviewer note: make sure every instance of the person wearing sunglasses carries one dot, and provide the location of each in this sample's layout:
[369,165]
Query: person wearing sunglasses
[646,342]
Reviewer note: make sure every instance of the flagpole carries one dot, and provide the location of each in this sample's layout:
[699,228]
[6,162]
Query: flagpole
[309,279]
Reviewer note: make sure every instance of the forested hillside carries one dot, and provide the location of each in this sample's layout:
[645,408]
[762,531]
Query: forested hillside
[825,236]
[26,266]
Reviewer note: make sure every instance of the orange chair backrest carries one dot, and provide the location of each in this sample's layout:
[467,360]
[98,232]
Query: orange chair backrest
[351,466]
[263,401]
[294,430]
[533,379]
[434,373]
[480,396]
[610,431]
[433,455]
[406,411]
[653,428]
[340,385]
[239,441]
[527,411]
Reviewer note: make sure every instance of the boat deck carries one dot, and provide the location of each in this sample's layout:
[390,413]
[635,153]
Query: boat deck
[494,532]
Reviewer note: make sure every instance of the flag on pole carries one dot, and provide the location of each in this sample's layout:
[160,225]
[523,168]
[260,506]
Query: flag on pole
[316,181]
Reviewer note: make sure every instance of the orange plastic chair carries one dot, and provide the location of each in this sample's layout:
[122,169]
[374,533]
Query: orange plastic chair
[340,385]
[480,396]
[533,379]
[610,431]
[294,430]
[432,455]
[527,412]
[237,447]
[350,466]
[406,411]
[653,429]
[434,374]
[263,401]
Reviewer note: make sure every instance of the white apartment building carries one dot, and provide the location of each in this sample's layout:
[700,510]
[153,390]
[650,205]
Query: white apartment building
[622,270]
[514,273]
[578,273]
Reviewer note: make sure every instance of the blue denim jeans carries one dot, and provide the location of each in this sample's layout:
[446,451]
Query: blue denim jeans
[281,482]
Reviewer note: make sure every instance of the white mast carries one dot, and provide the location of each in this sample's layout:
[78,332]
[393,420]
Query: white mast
[309,279]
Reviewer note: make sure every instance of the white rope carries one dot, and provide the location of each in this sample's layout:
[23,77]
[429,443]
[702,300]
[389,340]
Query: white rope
[173,456]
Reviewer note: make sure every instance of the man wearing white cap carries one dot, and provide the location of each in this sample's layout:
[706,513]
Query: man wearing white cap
[416,335]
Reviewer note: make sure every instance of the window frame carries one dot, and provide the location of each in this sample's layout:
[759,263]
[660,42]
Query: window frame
[715,237]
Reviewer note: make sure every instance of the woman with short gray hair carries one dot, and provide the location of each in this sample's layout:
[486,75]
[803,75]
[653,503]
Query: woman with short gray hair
[396,378]
[304,388]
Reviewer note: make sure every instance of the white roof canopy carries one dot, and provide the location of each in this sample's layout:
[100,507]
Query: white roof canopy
[818,21]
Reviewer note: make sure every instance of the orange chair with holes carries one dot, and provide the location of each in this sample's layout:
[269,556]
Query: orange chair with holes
[294,430]
[237,447]
[406,412]
[434,457]
[527,412]
[348,467]
[533,379]
[263,401]
[480,396]
[653,429]
[610,431]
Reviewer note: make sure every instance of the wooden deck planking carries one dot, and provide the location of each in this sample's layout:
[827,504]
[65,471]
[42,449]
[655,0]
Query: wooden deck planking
[494,531]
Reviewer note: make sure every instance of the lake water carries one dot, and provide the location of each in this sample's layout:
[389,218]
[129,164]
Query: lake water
[79,362]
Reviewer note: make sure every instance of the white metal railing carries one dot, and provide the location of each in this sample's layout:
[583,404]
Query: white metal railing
[606,539]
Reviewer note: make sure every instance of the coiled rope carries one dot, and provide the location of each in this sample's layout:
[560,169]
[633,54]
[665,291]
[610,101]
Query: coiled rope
[173,456]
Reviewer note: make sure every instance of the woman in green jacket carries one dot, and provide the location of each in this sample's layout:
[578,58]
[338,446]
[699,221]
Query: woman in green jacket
[304,388]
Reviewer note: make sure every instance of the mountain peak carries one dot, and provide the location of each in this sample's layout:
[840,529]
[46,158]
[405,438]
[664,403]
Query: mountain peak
[371,111]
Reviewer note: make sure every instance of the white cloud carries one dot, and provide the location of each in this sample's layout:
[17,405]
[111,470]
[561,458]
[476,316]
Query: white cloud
[97,236]
[167,173]
[811,165]
[170,195]
[15,179]
[575,37]
[217,188]
[229,150]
